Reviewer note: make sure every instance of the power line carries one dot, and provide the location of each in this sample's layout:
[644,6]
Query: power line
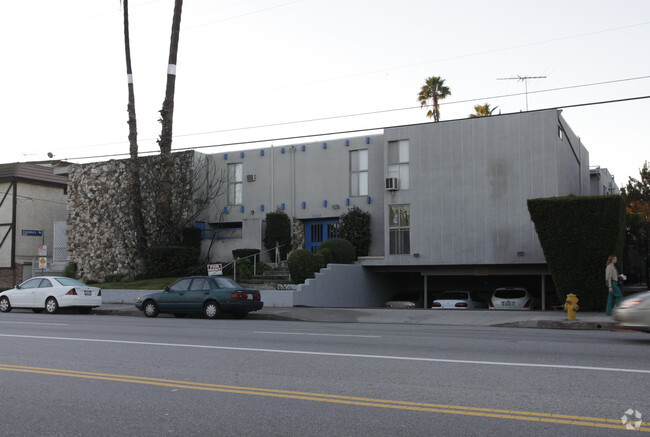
[383,111]
[297,137]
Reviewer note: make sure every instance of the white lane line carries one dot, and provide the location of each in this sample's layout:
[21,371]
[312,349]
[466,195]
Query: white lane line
[317,334]
[37,323]
[336,354]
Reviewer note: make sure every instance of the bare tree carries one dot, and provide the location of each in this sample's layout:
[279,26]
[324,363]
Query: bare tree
[165,141]
[134,164]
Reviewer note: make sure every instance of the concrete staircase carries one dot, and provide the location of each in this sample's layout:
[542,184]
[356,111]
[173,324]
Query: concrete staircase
[269,280]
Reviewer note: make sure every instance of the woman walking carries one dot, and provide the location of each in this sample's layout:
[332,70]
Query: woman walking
[611,281]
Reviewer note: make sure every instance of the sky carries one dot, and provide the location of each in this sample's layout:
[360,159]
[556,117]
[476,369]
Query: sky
[256,73]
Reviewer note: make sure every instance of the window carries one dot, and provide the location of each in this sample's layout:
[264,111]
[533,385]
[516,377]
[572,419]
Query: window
[398,162]
[359,172]
[399,229]
[235,183]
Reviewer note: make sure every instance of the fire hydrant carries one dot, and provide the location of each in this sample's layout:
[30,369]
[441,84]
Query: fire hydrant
[571,305]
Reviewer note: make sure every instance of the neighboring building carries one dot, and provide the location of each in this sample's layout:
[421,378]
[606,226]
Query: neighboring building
[448,204]
[32,214]
[602,182]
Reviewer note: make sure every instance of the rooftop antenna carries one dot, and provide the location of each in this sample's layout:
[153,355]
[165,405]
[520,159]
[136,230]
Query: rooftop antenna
[524,79]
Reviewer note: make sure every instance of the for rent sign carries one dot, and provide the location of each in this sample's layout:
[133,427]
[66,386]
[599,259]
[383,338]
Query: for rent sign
[214,270]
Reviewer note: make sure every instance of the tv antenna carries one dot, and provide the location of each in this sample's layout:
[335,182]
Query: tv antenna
[523,79]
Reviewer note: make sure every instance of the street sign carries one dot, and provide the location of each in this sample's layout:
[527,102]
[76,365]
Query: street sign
[42,263]
[32,233]
[214,270]
[42,250]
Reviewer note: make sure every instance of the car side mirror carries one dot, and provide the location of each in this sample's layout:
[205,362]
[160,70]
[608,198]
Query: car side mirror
[17,286]
[166,288]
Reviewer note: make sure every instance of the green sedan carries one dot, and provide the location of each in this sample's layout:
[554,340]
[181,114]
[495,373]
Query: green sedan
[207,295]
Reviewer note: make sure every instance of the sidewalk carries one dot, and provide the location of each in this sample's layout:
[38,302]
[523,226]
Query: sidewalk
[123,303]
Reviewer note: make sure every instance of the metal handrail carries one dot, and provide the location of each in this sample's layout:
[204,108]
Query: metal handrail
[255,255]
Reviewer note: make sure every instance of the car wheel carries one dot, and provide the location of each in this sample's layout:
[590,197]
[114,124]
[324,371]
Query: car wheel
[150,308]
[5,306]
[211,310]
[51,305]
[37,310]
[84,310]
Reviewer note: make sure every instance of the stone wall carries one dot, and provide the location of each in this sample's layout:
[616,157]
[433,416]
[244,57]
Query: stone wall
[100,233]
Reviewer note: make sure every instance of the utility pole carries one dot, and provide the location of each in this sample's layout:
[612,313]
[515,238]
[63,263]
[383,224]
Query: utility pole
[523,79]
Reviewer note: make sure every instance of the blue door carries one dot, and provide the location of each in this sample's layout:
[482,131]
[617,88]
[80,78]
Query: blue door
[317,231]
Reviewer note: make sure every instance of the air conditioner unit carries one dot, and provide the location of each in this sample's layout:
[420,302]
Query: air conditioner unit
[391,184]
[251,177]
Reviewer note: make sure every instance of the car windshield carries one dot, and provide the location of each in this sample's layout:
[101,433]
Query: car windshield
[69,281]
[226,283]
[510,293]
[453,295]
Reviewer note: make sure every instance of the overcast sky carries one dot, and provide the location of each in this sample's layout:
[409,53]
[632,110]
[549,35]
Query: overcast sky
[260,69]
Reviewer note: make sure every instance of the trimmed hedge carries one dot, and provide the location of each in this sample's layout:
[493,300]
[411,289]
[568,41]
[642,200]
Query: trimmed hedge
[577,234]
[341,251]
[167,261]
[301,265]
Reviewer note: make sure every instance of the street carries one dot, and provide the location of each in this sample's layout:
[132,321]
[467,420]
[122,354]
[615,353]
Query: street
[75,375]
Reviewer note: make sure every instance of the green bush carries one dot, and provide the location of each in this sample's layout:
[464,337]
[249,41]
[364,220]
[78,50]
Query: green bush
[168,261]
[355,227]
[323,258]
[301,265]
[114,278]
[278,229]
[577,234]
[70,270]
[341,251]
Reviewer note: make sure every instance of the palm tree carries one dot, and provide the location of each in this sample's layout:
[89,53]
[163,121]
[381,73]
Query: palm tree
[434,89]
[165,141]
[134,165]
[483,111]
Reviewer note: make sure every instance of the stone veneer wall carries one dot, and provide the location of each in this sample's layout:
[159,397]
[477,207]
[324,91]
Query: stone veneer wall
[100,227]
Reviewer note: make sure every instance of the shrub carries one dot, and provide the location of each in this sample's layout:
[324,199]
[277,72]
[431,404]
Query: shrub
[70,270]
[324,257]
[301,265]
[167,261]
[355,227]
[341,251]
[577,234]
[114,278]
[278,229]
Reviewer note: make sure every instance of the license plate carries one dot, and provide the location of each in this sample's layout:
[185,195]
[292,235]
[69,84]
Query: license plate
[249,297]
[87,293]
[507,303]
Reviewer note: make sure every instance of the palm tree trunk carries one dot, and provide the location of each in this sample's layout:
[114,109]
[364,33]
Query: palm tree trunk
[165,141]
[134,164]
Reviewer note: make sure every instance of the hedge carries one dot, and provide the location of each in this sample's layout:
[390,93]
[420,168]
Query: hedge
[577,234]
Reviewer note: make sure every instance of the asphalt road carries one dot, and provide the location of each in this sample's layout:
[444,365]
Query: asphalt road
[75,375]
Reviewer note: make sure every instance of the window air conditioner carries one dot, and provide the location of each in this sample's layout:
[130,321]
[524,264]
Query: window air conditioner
[251,177]
[391,184]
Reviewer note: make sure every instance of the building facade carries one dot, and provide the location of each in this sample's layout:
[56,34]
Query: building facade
[33,205]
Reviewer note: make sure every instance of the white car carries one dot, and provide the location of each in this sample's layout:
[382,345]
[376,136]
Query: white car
[634,312]
[511,298]
[463,300]
[50,293]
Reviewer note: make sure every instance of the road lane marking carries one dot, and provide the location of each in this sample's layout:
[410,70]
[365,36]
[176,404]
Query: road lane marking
[565,419]
[36,323]
[317,334]
[337,354]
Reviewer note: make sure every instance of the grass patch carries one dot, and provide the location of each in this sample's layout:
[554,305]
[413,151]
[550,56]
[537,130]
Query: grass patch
[144,284]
